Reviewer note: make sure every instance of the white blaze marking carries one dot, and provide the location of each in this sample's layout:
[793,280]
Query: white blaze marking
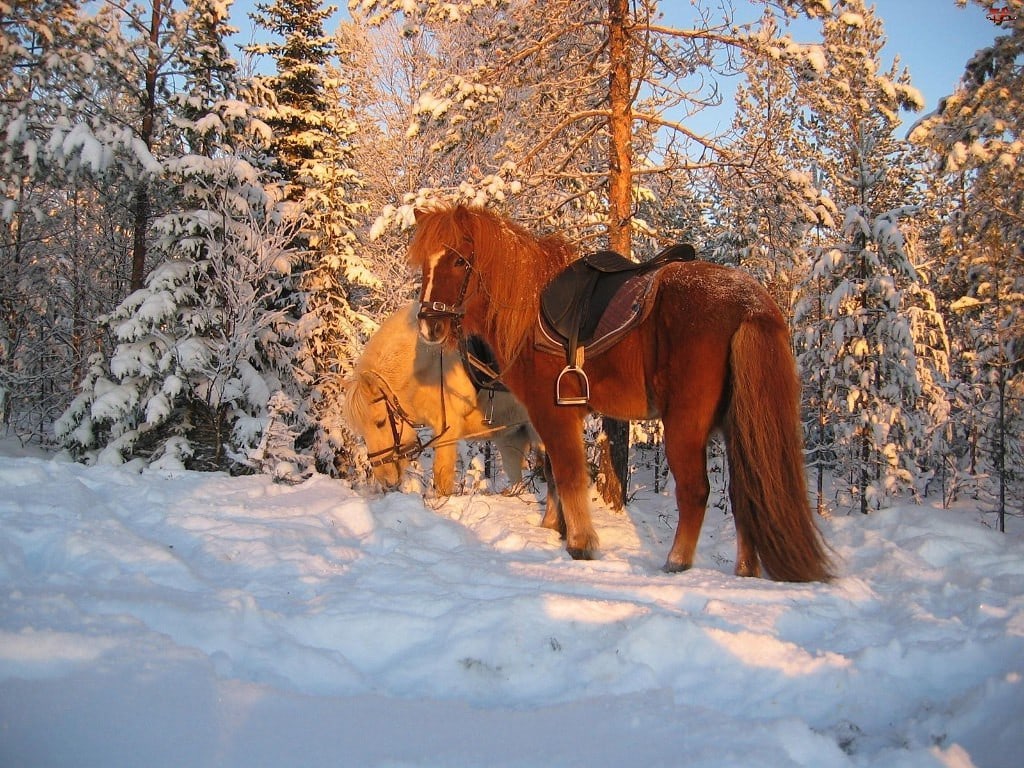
[428,275]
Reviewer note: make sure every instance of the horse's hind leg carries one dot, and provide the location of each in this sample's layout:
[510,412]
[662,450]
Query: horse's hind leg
[512,446]
[687,428]
[687,458]
[553,517]
[747,561]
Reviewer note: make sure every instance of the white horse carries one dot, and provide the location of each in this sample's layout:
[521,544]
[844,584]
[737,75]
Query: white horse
[397,386]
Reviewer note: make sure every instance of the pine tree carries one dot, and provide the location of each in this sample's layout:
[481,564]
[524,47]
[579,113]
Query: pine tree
[862,299]
[314,141]
[380,69]
[201,349]
[62,161]
[977,134]
[205,347]
[766,199]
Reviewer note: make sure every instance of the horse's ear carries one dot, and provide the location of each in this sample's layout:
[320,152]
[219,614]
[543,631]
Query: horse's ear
[463,217]
[418,214]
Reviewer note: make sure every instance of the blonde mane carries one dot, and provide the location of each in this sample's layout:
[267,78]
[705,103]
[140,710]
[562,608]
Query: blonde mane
[512,264]
[359,393]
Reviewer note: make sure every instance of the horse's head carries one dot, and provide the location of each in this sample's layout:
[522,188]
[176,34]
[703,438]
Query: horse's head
[389,436]
[446,277]
[443,250]
[482,275]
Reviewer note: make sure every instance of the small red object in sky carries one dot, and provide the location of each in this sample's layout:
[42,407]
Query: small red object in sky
[999,15]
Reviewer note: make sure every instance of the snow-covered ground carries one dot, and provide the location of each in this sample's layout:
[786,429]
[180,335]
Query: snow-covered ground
[188,620]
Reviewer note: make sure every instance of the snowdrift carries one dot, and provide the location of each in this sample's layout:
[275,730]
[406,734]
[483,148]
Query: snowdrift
[184,619]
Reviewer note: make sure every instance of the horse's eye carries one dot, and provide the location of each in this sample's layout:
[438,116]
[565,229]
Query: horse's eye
[460,261]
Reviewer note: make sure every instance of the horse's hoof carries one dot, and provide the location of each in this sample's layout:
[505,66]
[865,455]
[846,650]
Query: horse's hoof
[671,567]
[744,568]
[578,553]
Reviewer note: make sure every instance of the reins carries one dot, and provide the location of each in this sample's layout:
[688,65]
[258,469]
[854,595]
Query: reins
[408,451]
[479,434]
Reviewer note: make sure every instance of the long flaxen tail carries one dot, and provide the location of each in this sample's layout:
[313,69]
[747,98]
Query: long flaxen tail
[768,487]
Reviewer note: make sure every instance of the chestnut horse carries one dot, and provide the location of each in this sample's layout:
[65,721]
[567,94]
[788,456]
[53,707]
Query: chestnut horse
[712,353]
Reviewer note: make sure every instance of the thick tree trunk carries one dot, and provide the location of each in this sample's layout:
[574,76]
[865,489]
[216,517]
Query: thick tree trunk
[620,201]
[620,128]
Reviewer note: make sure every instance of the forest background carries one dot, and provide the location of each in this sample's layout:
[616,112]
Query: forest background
[196,247]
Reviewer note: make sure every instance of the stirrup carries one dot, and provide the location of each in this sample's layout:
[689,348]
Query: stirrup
[575,368]
[489,413]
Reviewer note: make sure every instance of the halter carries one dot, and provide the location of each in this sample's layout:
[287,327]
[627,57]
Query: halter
[437,310]
[397,416]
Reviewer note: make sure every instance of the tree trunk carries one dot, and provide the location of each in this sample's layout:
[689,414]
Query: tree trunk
[620,200]
[620,128]
[865,454]
[142,204]
[1001,446]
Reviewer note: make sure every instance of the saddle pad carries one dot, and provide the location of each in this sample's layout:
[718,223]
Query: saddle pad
[628,307]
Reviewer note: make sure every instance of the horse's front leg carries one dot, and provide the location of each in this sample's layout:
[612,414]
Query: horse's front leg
[444,468]
[563,438]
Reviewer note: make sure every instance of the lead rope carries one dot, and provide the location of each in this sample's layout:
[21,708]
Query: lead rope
[444,408]
[435,440]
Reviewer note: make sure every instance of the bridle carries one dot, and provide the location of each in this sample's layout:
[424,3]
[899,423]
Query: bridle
[397,416]
[483,374]
[439,310]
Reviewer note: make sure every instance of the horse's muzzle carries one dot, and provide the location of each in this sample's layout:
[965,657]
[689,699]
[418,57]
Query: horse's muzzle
[437,321]
[388,476]
[434,331]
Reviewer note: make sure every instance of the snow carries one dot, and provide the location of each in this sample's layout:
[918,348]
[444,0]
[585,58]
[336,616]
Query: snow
[170,618]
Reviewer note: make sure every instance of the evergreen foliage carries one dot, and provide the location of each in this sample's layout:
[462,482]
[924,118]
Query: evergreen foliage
[203,348]
[192,257]
[863,317]
[307,107]
[977,135]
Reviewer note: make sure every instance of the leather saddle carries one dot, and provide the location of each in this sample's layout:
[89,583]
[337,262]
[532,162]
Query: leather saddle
[592,304]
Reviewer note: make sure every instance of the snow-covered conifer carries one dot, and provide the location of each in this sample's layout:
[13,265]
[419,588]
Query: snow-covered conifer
[206,344]
[307,107]
[62,212]
[202,348]
[863,350]
[766,197]
[978,136]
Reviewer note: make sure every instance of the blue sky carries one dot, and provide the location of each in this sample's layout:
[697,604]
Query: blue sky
[933,38]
